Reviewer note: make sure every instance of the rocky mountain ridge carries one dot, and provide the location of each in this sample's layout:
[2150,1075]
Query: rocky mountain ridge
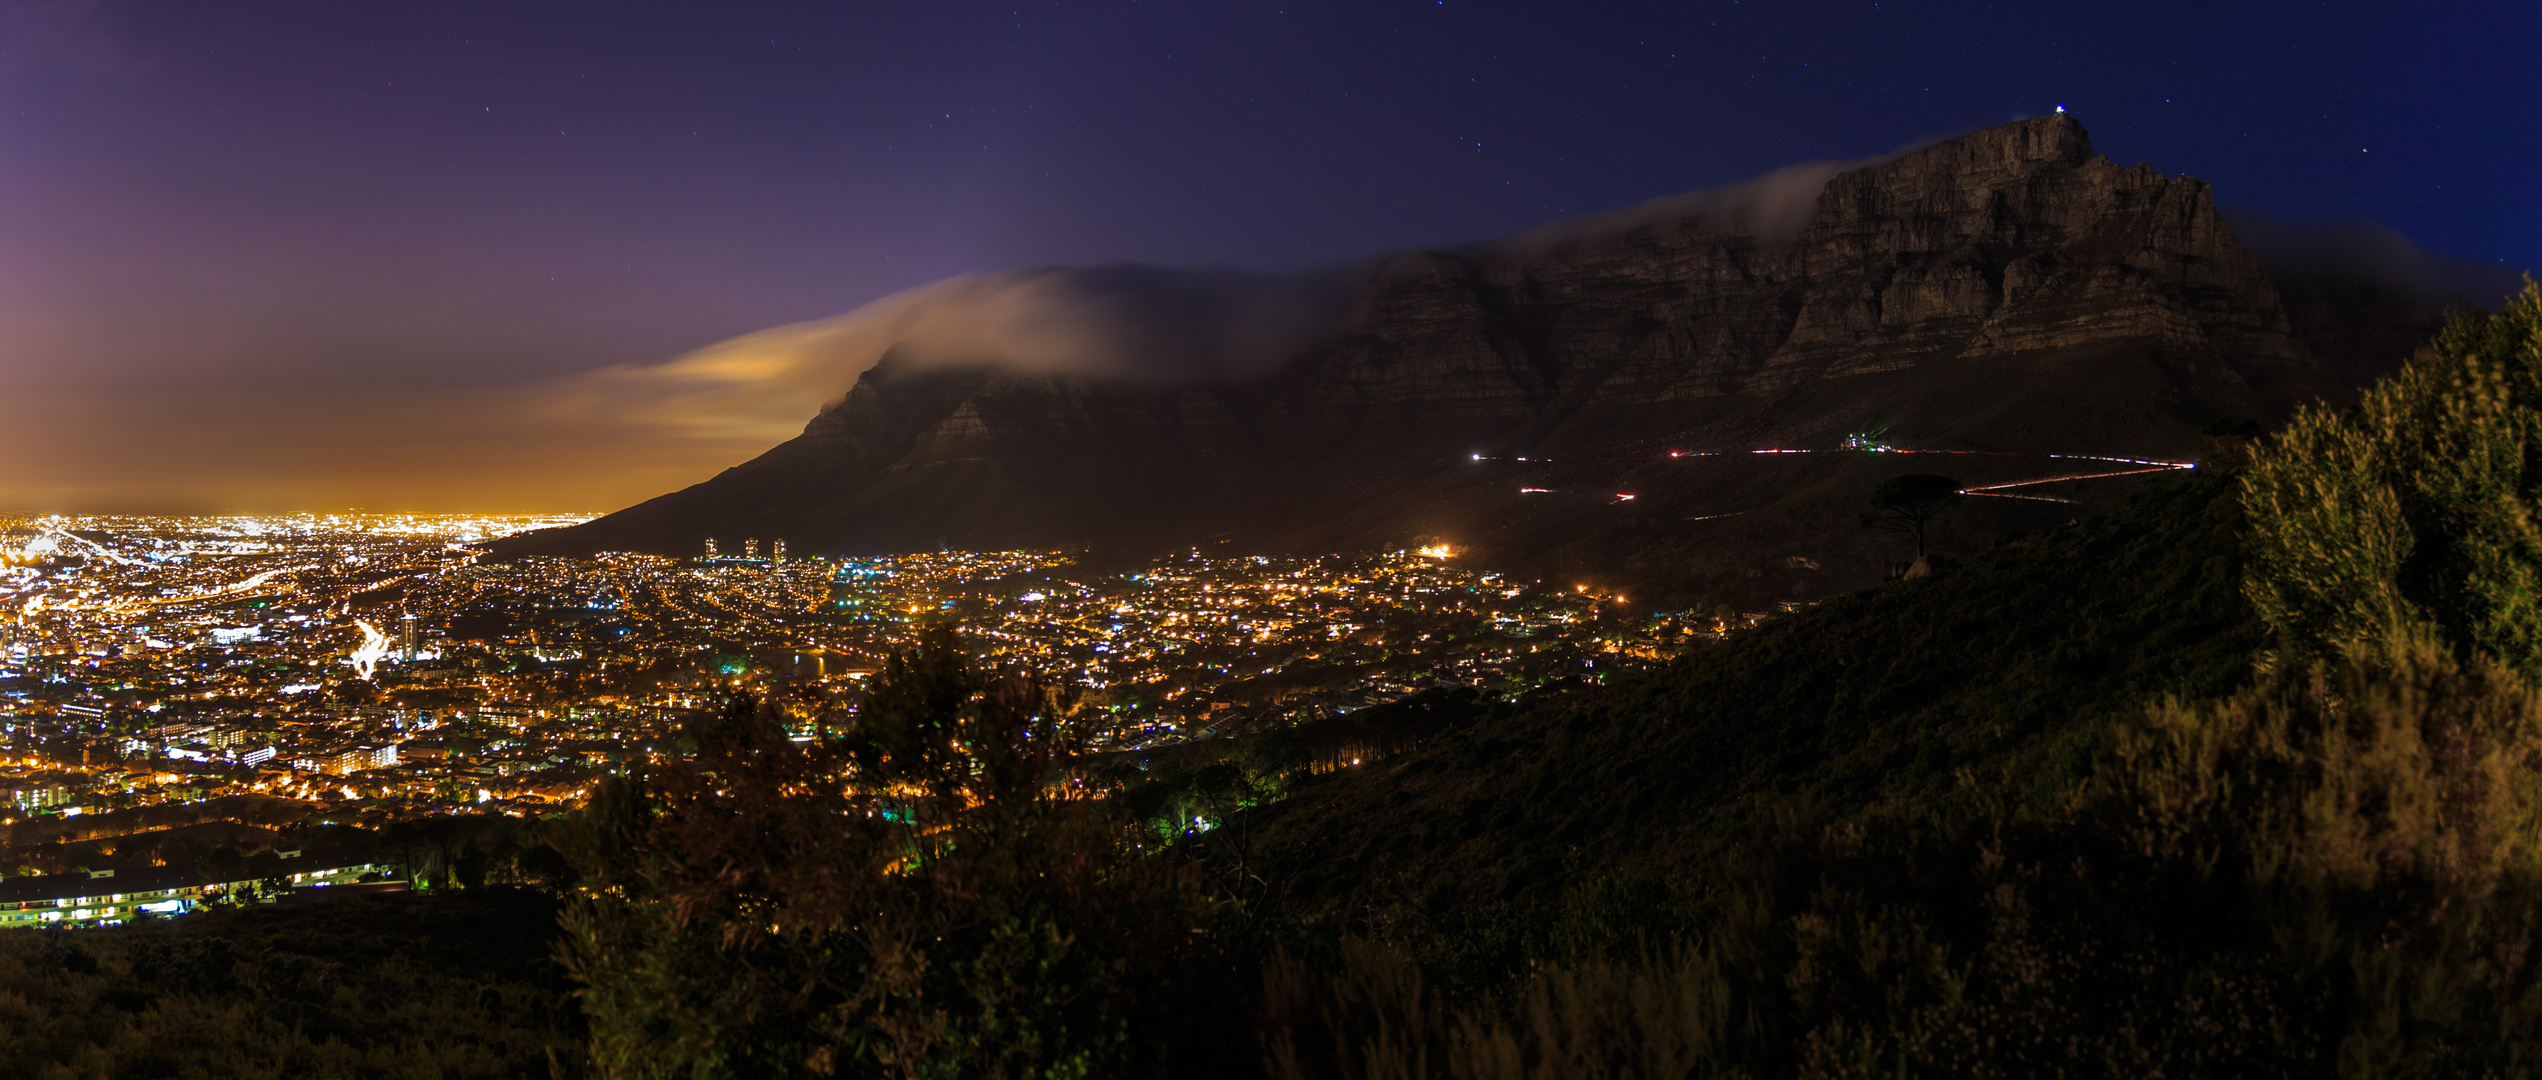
[2009,291]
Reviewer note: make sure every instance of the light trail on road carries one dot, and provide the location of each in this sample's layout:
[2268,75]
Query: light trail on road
[2017,495]
[1997,490]
[2077,476]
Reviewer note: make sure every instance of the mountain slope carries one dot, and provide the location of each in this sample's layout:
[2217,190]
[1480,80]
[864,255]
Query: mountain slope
[1997,678]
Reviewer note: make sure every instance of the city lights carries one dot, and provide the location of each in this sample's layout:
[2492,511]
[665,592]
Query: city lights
[377,666]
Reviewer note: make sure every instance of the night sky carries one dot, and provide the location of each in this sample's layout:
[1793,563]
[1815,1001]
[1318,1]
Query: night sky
[284,256]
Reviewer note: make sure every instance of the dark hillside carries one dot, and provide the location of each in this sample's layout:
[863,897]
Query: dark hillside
[1995,678]
[443,984]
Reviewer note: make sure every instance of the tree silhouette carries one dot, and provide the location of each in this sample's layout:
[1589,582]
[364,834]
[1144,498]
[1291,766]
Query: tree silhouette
[1907,504]
[924,892]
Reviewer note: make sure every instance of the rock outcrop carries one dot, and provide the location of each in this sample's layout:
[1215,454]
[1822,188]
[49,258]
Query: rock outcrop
[2005,291]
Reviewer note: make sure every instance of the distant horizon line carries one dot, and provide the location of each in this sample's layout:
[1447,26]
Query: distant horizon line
[585,515]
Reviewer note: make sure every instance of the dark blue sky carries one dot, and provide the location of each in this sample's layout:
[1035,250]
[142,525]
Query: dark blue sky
[236,228]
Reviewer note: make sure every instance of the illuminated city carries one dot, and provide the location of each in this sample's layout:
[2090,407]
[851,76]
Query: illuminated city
[368,668]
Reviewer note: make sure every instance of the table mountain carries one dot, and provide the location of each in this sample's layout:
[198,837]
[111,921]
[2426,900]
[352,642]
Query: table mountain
[2005,293]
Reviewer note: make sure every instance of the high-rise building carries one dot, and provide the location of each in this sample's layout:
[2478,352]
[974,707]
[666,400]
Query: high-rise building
[410,635]
[710,547]
[777,550]
[750,548]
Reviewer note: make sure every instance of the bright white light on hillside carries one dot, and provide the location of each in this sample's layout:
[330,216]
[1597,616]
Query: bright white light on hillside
[374,648]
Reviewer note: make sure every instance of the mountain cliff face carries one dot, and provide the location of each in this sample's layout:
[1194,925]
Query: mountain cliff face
[2007,291]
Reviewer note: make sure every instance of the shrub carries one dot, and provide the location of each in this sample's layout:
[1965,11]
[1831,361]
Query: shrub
[2415,514]
[923,897]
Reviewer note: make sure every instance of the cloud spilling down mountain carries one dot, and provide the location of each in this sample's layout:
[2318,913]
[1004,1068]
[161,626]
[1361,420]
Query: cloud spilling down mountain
[2007,296]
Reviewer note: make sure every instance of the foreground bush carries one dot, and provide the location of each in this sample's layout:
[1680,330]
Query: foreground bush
[2414,514]
[2335,875]
[923,897]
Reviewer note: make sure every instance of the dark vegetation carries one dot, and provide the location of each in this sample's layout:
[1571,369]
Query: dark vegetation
[955,914]
[1589,817]
[2236,781]
[456,984]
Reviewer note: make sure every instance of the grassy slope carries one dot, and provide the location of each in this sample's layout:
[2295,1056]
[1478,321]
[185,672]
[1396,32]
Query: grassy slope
[1554,828]
[444,985]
